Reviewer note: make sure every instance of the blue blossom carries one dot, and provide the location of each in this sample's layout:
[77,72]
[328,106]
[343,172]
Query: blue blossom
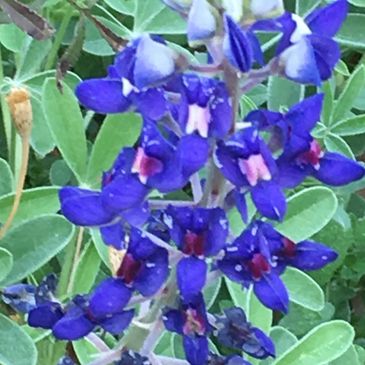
[65,360]
[307,53]
[142,64]
[191,322]
[205,107]
[302,155]
[198,233]
[236,332]
[246,161]
[261,254]
[144,266]
[133,358]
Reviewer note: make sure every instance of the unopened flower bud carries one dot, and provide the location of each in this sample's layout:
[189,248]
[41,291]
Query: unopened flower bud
[21,110]
[266,8]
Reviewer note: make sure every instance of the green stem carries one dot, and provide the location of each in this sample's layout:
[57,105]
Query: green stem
[6,114]
[52,57]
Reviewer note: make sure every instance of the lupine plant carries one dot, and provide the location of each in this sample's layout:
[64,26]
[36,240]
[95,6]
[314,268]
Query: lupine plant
[204,206]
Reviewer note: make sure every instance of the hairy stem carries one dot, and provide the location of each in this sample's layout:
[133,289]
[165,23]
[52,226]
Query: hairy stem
[20,186]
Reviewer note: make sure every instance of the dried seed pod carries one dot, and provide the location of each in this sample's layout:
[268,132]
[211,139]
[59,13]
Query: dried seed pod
[21,110]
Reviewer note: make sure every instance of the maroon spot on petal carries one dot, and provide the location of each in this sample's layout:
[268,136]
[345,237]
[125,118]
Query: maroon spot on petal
[258,266]
[145,165]
[129,268]
[194,323]
[194,244]
[312,156]
[289,248]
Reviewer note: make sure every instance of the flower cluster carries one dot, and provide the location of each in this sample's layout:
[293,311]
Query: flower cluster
[169,250]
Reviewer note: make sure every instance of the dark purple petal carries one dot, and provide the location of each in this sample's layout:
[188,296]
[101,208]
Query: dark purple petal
[269,200]
[271,291]
[337,170]
[310,255]
[84,207]
[266,346]
[290,174]
[45,315]
[136,216]
[109,297]
[327,21]
[229,268]
[196,349]
[124,192]
[73,325]
[264,118]
[174,321]
[237,46]
[117,323]
[191,276]
[102,96]
[217,232]
[241,204]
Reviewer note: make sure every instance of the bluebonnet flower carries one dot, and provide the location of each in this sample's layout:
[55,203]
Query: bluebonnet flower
[133,358]
[249,261]
[25,297]
[260,255]
[246,161]
[191,321]
[201,21]
[142,64]
[205,107]
[302,155]
[144,265]
[104,308]
[198,233]
[236,332]
[307,53]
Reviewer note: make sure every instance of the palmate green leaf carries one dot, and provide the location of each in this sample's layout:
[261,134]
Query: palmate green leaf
[100,246]
[328,101]
[351,33]
[86,352]
[6,178]
[283,93]
[12,38]
[122,6]
[304,7]
[34,203]
[303,290]
[337,144]
[350,127]
[308,212]
[117,131]
[342,68]
[349,357]
[211,292]
[349,94]
[155,17]
[16,347]
[34,243]
[324,343]
[66,125]
[6,262]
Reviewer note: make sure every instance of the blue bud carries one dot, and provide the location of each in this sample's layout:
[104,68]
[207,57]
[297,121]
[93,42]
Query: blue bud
[155,62]
[201,22]
[237,46]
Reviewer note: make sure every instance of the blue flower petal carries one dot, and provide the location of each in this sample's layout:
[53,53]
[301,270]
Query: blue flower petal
[191,277]
[117,323]
[109,297]
[310,255]
[45,315]
[174,321]
[269,200]
[151,103]
[327,21]
[113,235]
[84,207]
[337,170]
[196,349]
[103,96]
[271,291]
[267,347]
